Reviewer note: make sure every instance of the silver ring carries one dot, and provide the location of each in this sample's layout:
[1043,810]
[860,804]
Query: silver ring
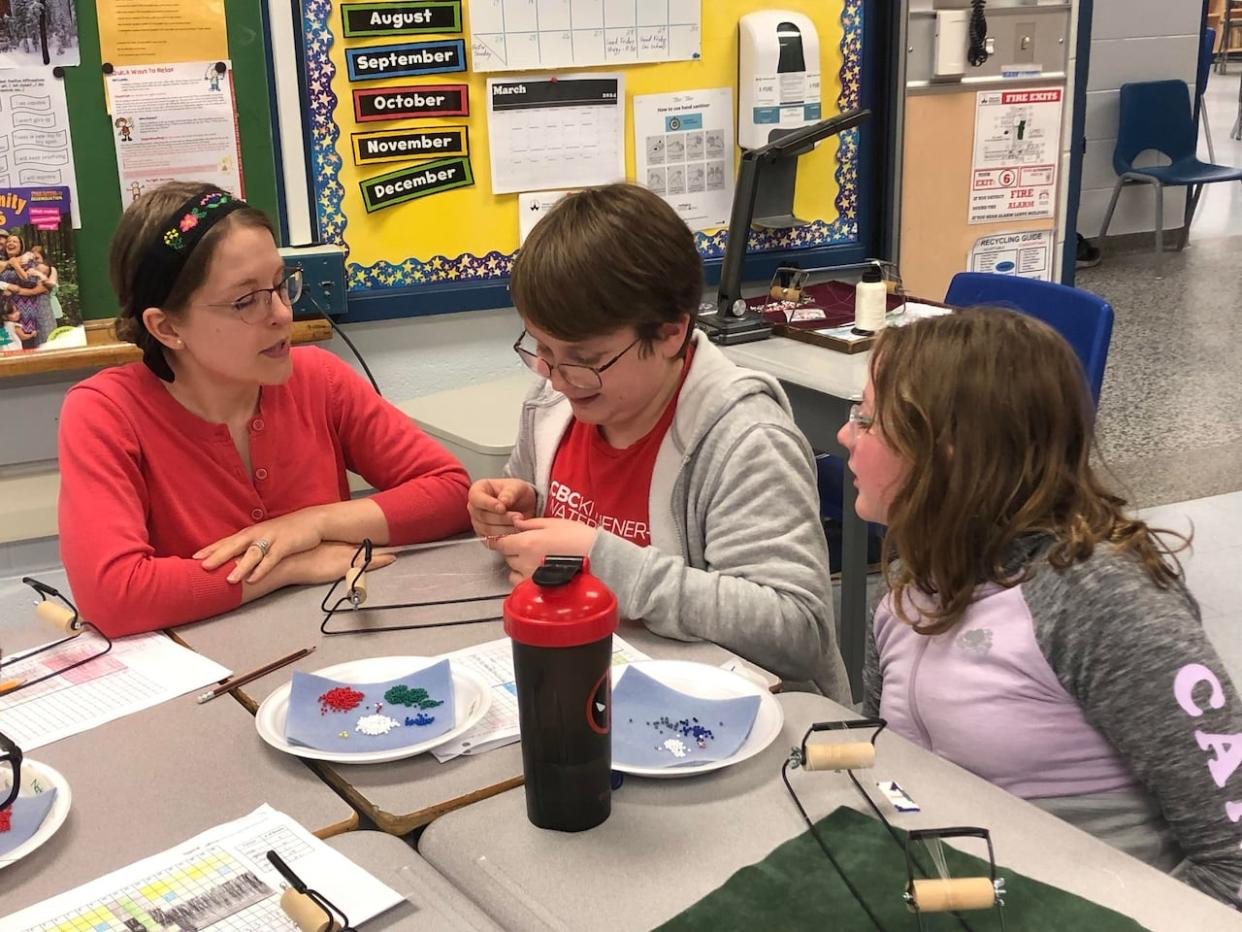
[263,545]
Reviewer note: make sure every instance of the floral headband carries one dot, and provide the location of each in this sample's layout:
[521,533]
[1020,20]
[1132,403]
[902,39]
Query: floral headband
[167,255]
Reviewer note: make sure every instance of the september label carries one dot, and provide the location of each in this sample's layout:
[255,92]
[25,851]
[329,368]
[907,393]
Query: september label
[401,145]
[407,60]
[407,184]
[419,100]
[401,19]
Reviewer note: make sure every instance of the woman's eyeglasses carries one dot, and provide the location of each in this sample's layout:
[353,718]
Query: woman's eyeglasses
[256,305]
[583,378]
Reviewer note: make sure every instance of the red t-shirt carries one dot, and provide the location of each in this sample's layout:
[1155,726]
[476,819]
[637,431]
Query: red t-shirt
[597,484]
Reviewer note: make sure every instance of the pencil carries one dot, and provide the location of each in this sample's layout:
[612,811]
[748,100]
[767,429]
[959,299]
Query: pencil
[9,685]
[244,678]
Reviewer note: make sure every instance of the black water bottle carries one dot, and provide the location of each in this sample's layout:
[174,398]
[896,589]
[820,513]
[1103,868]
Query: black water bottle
[561,621]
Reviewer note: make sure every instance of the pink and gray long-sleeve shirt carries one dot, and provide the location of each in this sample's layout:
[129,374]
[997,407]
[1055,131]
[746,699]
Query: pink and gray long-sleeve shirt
[1091,693]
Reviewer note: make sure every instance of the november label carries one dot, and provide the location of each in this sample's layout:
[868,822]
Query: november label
[392,145]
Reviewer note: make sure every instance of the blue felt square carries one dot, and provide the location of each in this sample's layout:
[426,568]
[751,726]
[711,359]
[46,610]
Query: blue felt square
[27,815]
[404,711]
[654,725]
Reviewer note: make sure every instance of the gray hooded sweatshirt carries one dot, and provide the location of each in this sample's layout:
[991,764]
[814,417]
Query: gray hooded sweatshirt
[737,554]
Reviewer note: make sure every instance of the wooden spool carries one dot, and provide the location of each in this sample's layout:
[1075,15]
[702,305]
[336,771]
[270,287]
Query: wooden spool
[57,616]
[950,895]
[855,755]
[306,914]
[356,585]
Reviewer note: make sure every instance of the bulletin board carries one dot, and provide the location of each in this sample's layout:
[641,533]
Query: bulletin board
[443,245]
[94,153]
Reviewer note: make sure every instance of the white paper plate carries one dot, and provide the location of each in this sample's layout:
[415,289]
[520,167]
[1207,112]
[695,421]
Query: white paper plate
[471,698]
[708,682]
[31,771]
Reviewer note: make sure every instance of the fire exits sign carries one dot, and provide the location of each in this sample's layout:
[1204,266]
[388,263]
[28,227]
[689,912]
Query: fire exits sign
[1017,142]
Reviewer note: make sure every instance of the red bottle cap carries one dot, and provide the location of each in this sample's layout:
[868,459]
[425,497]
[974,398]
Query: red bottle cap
[561,605]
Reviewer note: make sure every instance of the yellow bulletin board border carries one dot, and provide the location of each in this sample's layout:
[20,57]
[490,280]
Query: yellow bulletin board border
[329,193]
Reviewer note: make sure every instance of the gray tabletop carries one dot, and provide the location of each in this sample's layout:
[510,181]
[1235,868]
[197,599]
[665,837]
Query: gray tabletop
[638,873]
[146,782]
[402,795]
[432,903]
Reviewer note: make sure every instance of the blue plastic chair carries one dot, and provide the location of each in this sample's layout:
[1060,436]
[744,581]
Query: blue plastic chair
[1084,319]
[1205,70]
[1156,115]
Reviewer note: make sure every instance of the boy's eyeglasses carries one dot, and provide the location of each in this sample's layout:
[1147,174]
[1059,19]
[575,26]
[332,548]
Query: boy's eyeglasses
[583,378]
[256,305]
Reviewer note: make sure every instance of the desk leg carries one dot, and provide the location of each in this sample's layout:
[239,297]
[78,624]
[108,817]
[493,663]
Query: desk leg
[853,586]
[819,416]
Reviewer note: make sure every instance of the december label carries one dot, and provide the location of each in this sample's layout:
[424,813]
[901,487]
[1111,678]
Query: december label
[419,100]
[400,145]
[407,60]
[401,19]
[406,184]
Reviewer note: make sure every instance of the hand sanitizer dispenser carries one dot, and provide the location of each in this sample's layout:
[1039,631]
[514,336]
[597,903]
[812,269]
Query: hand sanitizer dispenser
[778,93]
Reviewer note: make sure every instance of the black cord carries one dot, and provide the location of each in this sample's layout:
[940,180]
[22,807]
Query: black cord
[348,342]
[815,834]
[978,53]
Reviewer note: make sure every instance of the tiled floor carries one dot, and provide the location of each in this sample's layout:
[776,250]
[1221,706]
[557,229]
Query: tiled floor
[1213,567]
[1170,419]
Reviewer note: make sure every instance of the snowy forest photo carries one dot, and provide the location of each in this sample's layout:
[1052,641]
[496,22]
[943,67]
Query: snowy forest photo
[38,32]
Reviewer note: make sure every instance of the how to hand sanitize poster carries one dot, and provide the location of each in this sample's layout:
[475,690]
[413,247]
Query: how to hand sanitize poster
[1017,141]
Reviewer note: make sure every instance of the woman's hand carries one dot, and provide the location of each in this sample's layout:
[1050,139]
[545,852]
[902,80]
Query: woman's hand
[285,536]
[328,562]
[494,505]
[536,538]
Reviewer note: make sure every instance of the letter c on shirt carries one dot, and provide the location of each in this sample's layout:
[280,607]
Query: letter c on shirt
[1190,676]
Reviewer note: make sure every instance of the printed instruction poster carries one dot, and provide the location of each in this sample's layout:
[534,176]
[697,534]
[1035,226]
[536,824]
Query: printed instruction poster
[556,132]
[142,32]
[35,147]
[38,33]
[1026,255]
[174,122]
[1017,143]
[683,149]
[518,35]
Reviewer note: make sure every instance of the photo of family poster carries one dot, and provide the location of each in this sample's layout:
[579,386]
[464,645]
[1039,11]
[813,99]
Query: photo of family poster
[39,300]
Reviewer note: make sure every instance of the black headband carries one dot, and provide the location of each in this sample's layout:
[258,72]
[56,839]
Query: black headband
[167,255]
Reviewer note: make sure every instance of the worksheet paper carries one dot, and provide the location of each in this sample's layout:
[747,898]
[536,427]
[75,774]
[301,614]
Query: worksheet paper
[556,132]
[139,672]
[493,661]
[174,122]
[220,879]
[683,149]
[519,35]
[35,147]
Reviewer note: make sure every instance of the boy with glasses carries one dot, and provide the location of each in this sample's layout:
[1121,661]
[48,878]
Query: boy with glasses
[680,475]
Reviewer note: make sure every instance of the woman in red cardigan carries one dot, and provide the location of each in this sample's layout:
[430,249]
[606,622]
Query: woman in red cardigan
[213,472]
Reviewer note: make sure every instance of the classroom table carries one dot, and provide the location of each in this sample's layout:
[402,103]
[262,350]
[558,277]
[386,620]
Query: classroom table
[402,795]
[670,842]
[432,903]
[822,384]
[148,781]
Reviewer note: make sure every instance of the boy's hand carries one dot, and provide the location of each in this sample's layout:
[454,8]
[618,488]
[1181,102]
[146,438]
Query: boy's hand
[494,505]
[536,538]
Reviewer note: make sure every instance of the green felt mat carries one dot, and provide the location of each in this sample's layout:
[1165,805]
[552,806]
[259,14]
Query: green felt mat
[796,887]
